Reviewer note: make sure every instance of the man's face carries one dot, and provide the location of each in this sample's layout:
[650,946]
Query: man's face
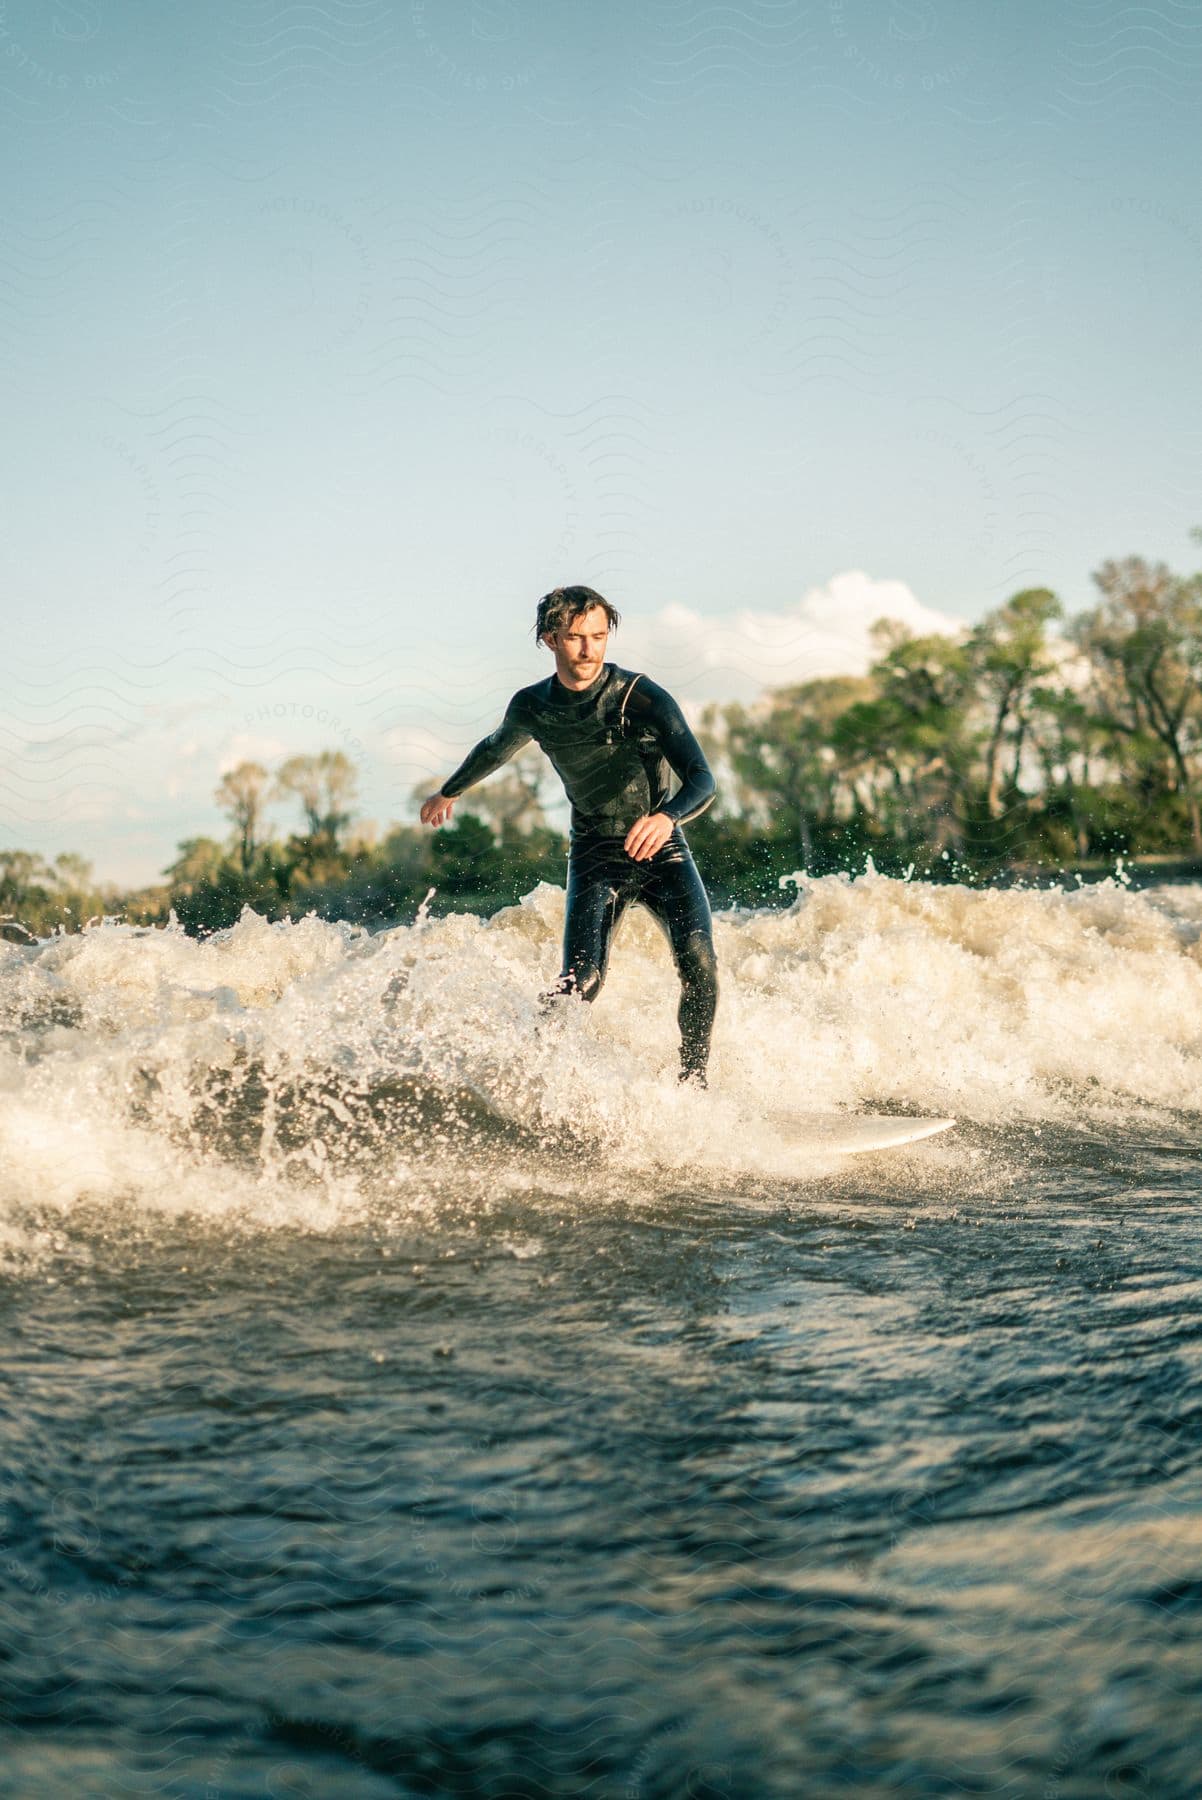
[580,646]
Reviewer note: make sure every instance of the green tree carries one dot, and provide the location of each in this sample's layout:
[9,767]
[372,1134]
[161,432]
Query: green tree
[325,786]
[1010,655]
[37,897]
[464,857]
[200,859]
[1144,642]
[913,741]
[242,792]
[26,889]
[779,750]
[1071,746]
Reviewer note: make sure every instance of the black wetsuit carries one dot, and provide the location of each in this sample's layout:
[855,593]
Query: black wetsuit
[614,745]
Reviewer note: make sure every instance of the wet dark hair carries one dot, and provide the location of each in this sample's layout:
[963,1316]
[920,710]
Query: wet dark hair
[562,605]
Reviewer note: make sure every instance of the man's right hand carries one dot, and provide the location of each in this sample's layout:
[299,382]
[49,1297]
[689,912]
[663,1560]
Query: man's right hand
[437,809]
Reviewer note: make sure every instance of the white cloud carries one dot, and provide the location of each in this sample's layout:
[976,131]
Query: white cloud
[245,746]
[1072,669]
[735,655]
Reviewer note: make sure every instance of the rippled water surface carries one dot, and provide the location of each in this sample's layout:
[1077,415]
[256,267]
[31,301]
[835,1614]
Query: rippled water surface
[396,1402]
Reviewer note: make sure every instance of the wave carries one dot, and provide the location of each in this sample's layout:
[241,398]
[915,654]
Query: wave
[297,1072]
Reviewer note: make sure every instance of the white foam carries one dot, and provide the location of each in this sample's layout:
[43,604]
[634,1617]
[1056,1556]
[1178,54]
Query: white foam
[998,1006]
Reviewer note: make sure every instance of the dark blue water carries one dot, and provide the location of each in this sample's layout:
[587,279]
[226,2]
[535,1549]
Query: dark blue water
[887,1482]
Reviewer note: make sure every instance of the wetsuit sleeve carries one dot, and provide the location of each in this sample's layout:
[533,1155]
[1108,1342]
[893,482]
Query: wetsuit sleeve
[490,752]
[656,711]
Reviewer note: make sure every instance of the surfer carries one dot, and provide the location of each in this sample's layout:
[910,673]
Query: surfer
[612,737]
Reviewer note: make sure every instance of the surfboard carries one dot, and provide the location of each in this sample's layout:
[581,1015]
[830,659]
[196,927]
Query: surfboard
[853,1134]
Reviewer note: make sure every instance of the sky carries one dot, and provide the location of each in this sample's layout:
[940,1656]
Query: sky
[333,335]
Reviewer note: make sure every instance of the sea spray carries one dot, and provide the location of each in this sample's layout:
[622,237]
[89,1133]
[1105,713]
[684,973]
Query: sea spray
[294,1072]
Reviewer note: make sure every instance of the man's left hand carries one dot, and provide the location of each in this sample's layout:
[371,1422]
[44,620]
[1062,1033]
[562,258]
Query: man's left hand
[647,835]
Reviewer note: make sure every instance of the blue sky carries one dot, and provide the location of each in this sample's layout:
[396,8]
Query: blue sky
[333,335]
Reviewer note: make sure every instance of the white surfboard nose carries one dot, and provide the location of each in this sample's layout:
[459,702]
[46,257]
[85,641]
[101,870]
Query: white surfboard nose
[853,1134]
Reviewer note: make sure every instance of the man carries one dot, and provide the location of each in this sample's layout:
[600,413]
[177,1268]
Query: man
[612,737]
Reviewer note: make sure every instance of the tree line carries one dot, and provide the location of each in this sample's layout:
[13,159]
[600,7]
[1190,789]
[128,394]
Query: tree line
[1029,740]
